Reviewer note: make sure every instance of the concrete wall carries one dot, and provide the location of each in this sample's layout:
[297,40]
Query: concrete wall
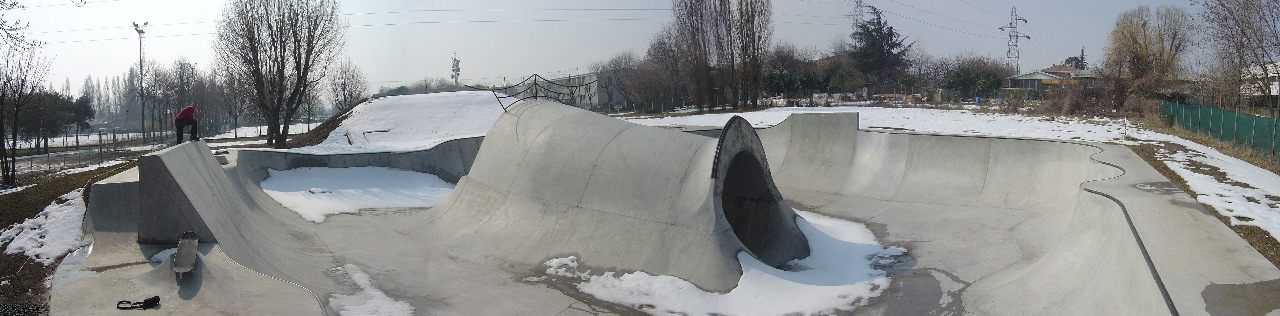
[449,160]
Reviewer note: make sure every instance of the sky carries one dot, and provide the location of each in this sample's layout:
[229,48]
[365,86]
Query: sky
[397,42]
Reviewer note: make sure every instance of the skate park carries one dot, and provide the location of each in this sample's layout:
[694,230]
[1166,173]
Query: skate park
[994,226]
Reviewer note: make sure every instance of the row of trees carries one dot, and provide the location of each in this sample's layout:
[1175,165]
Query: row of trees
[22,73]
[273,60]
[718,53]
[426,85]
[713,52]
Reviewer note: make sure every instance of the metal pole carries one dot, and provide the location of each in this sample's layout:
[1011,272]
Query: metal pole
[142,116]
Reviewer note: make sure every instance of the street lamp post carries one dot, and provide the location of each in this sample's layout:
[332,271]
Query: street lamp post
[142,115]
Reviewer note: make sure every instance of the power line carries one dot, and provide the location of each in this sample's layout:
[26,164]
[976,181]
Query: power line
[377,13]
[822,2]
[115,27]
[980,8]
[507,21]
[383,24]
[938,26]
[942,16]
[508,10]
[81,4]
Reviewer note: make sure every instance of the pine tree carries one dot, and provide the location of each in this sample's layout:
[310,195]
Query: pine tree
[879,51]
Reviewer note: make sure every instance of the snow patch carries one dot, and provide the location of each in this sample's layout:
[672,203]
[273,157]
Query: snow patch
[162,255]
[92,167]
[843,271]
[7,191]
[318,192]
[53,233]
[369,300]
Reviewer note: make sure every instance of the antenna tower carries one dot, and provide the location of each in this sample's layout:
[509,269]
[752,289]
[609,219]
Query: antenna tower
[1013,54]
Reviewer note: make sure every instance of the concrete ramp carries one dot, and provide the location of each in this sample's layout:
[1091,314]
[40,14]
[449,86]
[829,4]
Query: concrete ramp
[552,180]
[1013,226]
[187,190]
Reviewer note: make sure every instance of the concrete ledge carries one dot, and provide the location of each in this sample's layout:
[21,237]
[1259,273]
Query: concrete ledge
[449,160]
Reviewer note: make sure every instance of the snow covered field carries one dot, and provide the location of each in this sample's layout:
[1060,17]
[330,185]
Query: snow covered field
[411,122]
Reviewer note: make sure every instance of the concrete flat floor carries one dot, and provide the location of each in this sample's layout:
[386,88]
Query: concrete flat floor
[994,227]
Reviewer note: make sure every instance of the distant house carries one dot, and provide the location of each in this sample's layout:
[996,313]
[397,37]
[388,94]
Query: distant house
[1272,75]
[1045,79]
[1062,71]
[1036,80]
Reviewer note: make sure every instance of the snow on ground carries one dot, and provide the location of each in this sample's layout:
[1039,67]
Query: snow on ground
[1250,196]
[7,191]
[318,192]
[146,147]
[233,144]
[411,122]
[91,167]
[52,234]
[259,131]
[954,122]
[843,271]
[369,300]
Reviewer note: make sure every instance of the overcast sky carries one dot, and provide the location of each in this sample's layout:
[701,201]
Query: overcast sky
[397,42]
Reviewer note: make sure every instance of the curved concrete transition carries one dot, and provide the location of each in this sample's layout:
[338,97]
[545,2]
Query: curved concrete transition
[552,180]
[994,226]
[1015,226]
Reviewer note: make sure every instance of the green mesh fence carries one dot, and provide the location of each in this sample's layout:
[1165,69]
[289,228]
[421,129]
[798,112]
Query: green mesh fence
[1249,130]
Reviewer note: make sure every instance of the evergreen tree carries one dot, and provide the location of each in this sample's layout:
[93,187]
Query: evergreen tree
[879,51]
[1077,61]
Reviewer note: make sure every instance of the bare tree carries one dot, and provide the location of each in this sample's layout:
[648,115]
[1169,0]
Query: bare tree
[1246,34]
[694,48]
[657,79]
[281,50]
[614,78]
[721,44]
[22,73]
[347,85]
[12,30]
[1145,53]
[755,28]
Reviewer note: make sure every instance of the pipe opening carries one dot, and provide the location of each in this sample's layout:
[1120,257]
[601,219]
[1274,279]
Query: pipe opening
[750,207]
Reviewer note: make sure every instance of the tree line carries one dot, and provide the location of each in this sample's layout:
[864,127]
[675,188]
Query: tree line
[720,54]
[275,65]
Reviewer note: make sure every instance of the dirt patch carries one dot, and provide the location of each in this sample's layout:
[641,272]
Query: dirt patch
[1260,239]
[320,132]
[25,277]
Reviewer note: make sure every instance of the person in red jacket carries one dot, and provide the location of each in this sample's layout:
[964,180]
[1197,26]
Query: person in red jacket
[186,117]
